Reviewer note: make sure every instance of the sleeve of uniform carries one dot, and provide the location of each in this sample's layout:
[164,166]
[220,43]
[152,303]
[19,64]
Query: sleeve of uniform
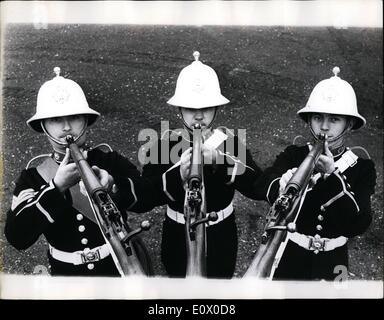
[32,211]
[267,185]
[166,181]
[134,192]
[349,206]
[239,170]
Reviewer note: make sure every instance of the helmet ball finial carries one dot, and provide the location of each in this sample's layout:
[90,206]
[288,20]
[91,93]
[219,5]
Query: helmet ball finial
[336,71]
[196,55]
[57,71]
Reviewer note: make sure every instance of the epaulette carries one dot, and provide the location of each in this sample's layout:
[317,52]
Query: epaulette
[48,155]
[167,133]
[102,145]
[295,140]
[362,149]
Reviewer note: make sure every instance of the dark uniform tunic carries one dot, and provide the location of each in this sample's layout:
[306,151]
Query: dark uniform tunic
[337,205]
[52,214]
[220,186]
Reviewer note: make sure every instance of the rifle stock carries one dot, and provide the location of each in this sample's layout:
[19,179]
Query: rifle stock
[281,214]
[115,230]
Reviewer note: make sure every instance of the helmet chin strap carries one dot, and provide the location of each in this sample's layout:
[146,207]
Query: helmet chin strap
[61,143]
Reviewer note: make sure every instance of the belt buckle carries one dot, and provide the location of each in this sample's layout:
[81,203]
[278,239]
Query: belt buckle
[90,256]
[316,244]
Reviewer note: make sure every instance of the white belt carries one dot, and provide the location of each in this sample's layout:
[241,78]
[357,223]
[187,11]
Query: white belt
[317,243]
[80,257]
[179,217]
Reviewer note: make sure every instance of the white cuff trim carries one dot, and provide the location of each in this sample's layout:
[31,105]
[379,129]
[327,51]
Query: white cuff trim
[45,212]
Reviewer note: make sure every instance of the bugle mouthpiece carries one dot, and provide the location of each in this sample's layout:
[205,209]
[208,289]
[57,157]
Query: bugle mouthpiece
[322,136]
[69,139]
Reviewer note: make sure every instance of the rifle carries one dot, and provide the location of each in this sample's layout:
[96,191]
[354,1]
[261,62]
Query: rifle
[116,232]
[195,211]
[282,214]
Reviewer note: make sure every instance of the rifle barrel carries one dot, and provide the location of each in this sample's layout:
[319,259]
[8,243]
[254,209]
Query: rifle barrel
[108,216]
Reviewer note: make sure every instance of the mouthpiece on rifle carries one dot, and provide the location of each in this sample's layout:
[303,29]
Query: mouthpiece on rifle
[322,136]
[69,139]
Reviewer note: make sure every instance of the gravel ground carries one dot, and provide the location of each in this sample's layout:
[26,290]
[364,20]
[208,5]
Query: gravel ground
[129,72]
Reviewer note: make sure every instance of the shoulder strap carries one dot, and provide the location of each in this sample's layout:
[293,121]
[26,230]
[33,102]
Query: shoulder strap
[80,201]
[362,149]
[38,157]
[348,159]
[47,169]
[101,145]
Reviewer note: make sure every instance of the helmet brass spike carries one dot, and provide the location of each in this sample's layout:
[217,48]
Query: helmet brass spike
[57,70]
[196,55]
[336,71]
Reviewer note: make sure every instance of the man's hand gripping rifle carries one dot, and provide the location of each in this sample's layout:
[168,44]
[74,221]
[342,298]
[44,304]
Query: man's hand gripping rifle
[282,214]
[195,211]
[113,227]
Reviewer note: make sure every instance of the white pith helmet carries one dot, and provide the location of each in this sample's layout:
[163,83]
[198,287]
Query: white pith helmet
[197,87]
[334,96]
[60,97]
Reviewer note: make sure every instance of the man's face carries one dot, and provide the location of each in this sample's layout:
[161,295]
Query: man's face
[60,127]
[204,117]
[330,124]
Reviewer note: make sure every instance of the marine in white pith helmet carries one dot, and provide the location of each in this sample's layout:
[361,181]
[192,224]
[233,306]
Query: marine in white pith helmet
[227,166]
[336,201]
[333,96]
[52,198]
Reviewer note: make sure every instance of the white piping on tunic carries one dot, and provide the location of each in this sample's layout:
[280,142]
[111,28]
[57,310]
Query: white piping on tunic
[51,187]
[45,212]
[134,194]
[165,180]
